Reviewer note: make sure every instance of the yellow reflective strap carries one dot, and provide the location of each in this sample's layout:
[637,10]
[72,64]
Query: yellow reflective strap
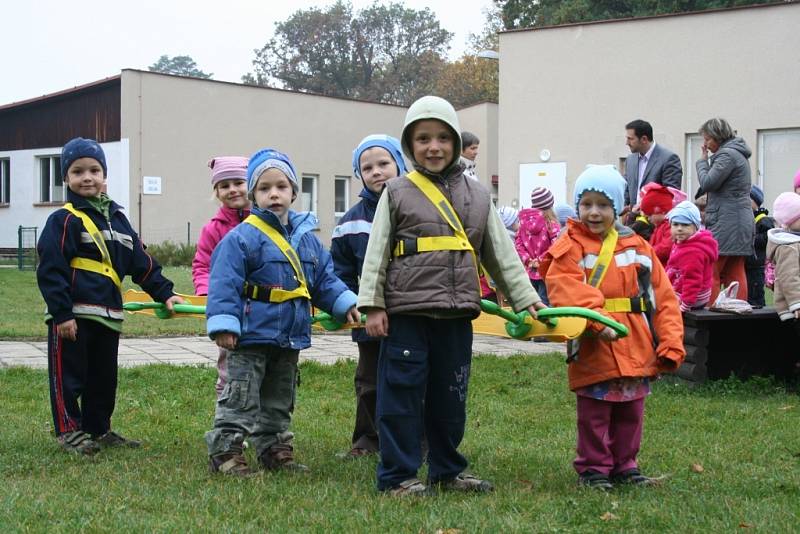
[642,218]
[447,242]
[440,202]
[103,267]
[621,305]
[759,217]
[604,259]
[278,294]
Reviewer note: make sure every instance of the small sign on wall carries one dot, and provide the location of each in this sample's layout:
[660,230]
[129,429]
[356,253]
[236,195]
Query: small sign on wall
[151,185]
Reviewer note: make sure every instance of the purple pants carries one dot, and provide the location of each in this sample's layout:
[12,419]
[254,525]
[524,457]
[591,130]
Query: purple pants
[222,371]
[609,435]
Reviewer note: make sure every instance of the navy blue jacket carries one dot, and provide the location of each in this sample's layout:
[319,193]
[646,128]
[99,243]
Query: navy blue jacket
[349,246]
[68,291]
[245,254]
[759,257]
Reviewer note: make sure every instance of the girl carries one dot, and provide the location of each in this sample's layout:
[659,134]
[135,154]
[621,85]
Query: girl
[538,229]
[229,180]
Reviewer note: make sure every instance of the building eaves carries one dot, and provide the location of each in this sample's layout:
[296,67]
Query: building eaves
[66,93]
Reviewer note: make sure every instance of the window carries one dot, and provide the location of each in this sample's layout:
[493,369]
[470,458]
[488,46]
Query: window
[777,161]
[51,185]
[308,194]
[341,198]
[694,152]
[5,181]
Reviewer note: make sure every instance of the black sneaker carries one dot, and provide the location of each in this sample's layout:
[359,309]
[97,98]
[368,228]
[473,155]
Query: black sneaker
[594,480]
[633,476]
[112,439]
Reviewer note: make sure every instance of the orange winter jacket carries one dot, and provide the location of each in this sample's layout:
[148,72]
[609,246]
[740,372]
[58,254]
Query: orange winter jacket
[635,272]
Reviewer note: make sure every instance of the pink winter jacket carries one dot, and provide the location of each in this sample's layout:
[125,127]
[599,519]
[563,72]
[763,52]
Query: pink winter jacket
[534,237]
[690,269]
[211,234]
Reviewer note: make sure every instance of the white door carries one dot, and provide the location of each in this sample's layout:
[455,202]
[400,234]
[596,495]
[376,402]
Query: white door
[553,176]
[778,161]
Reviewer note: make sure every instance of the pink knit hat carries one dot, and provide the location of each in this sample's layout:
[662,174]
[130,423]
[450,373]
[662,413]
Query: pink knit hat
[786,209]
[797,179]
[541,198]
[228,168]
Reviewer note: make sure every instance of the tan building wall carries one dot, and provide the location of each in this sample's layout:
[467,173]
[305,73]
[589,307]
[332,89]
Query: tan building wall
[481,119]
[176,125]
[571,89]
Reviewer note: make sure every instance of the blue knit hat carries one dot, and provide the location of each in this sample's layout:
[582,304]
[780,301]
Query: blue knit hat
[564,212]
[757,194]
[387,142]
[269,158]
[604,179]
[685,213]
[82,148]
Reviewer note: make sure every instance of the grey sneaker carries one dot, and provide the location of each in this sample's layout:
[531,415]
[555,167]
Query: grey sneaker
[79,442]
[467,482]
[595,480]
[410,487]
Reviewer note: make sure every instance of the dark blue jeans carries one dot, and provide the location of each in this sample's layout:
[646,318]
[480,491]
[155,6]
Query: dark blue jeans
[422,359]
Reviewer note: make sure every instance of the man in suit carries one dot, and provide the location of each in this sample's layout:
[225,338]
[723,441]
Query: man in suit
[647,163]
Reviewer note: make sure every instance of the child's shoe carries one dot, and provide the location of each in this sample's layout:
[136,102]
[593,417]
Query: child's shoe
[466,482]
[633,476]
[280,456]
[410,487]
[355,453]
[230,463]
[79,442]
[112,439]
[595,480]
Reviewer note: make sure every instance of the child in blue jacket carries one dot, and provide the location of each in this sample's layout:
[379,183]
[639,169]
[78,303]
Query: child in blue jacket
[265,274]
[85,250]
[376,159]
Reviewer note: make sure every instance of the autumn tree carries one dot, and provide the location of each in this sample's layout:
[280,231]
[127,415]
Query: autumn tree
[181,65]
[468,81]
[386,53]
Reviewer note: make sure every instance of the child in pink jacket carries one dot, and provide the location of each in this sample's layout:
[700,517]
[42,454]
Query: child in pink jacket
[229,180]
[538,229]
[691,262]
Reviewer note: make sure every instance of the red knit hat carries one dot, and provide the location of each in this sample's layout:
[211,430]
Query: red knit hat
[657,200]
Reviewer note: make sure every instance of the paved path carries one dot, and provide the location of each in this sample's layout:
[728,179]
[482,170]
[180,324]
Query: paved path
[326,348]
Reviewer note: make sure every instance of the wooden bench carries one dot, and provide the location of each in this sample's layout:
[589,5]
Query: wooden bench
[758,343]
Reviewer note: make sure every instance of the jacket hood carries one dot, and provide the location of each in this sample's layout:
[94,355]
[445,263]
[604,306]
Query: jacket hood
[737,144]
[702,242]
[575,225]
[432,107]
[777,237]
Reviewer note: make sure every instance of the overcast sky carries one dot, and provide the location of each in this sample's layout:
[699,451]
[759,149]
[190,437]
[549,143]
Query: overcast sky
[50,45]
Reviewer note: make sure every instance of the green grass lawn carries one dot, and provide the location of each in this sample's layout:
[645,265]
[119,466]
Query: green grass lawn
[520,435]
[23,308]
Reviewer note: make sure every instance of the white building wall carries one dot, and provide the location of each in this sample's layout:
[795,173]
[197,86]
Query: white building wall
[25,209]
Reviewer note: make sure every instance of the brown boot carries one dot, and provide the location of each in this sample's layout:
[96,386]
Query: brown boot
[230,463]
[280,456]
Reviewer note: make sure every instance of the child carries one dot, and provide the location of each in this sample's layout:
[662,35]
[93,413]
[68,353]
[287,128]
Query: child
[419,288]
[691,263]
[85,250]
[470,144]
[564,212]
[376,159]
[783,249]
[656,202]
[264,272]
[755,265]
[510,219]
[538,229]
[229,180]
[606,267]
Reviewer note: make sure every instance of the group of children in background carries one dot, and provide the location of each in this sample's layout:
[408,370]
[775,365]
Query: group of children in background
[409,255]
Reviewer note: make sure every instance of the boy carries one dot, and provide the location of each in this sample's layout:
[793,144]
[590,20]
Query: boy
[376,159]
[419,288]
[691,264]
[264,275]
[469,153]
[754,265]
[85,250]
[603,266]
[783,250]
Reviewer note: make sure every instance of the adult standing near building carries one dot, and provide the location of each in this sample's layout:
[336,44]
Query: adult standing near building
[470,144]
[725,177]
[648,162]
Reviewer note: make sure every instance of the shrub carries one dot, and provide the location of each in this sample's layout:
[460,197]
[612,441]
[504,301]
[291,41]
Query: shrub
[173,254]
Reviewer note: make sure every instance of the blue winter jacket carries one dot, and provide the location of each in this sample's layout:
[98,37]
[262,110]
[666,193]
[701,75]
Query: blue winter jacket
[68,291]
[349,246]
[245,254]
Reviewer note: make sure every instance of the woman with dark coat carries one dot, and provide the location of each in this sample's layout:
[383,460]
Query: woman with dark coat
[725,177]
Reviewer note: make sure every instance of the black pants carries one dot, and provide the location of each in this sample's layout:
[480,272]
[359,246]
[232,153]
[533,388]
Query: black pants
[365,434]
[755,285]
[424,366]
[83,377]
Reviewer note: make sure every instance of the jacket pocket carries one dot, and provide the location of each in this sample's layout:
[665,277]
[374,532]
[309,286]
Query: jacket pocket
[405,366]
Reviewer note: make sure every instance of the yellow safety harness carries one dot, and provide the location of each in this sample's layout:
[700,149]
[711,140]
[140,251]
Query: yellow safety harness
[642,218]
[277,294]
[102,267]
[759,217]
[621,304]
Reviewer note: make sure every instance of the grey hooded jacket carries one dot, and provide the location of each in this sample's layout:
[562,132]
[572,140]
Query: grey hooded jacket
[726,179]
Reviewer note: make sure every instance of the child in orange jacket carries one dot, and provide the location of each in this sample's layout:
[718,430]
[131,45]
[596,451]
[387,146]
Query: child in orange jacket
[610,375]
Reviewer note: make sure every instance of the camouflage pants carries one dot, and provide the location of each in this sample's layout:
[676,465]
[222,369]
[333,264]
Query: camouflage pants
[257,401]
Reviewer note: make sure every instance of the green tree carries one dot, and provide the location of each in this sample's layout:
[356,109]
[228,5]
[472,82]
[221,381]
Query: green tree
[181,65]
[386,53]
[468,81]
[529,13]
